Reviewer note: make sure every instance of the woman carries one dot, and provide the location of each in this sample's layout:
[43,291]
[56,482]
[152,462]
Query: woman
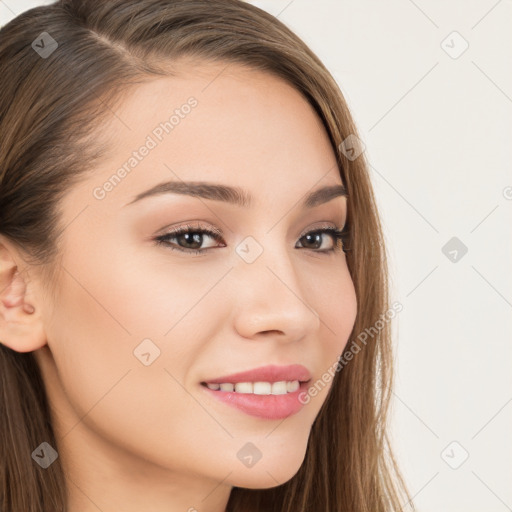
[190,250]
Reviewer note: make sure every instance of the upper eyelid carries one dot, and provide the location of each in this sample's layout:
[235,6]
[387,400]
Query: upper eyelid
[219,233]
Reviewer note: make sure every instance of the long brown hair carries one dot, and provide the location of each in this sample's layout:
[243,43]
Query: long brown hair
[50,106]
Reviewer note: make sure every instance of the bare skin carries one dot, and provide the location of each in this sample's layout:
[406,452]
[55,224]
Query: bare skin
[134,437]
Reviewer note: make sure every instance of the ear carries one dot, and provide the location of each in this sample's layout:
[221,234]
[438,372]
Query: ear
[21,326]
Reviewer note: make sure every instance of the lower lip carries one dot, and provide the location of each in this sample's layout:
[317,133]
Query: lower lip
[269,407]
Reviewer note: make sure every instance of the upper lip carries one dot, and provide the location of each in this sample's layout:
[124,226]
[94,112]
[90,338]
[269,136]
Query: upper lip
[270,373]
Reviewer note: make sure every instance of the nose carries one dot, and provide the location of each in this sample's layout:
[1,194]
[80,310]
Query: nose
[271,301]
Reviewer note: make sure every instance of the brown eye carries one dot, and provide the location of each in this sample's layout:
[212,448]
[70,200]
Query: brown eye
[190,239]
[314,239]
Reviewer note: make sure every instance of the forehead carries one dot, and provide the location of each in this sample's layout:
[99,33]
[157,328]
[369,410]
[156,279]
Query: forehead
[216,122]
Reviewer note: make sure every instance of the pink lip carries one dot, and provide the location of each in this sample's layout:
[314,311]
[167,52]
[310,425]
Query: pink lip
[270,373]
[269,407]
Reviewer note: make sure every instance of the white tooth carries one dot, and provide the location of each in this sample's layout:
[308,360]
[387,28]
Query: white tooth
[258,388]
[262,388]
[292,386]
[279,388]
[243,387]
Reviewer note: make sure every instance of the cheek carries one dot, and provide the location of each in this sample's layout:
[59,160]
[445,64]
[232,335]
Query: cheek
[112,312]
[104,312]
[347,312]
[336,303]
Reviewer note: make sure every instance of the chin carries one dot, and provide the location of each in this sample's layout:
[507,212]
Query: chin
[266,476]
[261,481]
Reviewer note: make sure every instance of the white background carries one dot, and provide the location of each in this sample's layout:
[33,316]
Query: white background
[437,131]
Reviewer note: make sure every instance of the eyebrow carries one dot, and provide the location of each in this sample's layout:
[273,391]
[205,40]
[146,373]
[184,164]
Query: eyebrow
[234,195]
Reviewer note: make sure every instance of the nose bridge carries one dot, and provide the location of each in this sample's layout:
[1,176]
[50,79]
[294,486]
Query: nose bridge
[271,296]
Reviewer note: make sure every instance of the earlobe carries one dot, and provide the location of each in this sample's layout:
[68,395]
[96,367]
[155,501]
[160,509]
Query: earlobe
[21,327]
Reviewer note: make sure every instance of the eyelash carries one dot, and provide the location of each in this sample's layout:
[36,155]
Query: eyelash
[335,234]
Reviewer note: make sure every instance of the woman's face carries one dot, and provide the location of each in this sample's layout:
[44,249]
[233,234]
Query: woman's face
[135,327]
